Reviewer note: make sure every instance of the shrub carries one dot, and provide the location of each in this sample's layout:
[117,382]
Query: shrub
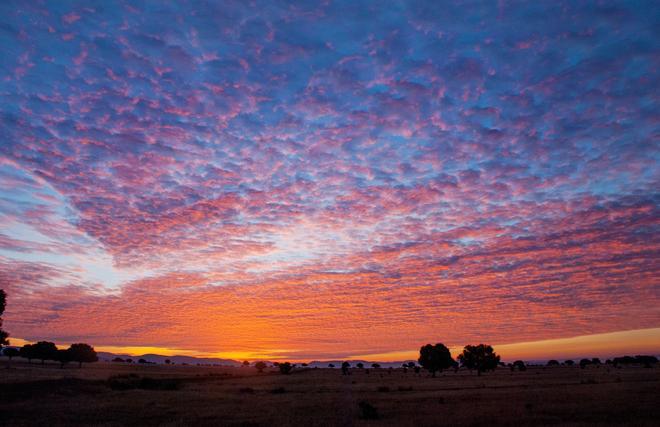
[285,368]
[368,411]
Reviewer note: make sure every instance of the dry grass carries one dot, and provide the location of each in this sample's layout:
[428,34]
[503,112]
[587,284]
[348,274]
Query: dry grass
[107,394]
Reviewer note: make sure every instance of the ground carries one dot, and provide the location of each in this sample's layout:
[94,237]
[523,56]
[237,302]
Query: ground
[118,394]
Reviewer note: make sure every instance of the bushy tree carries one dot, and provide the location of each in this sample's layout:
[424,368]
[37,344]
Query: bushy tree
[3,302]
[118,360]
[375,365]
[285,368]
[520,365]
[246,363]
[344,368]
[63,356]
[584,363]
[435,358]
[45,350]
[27,352]
[480,357]
[553,362]
[83,353]
[360,365]
[647,361]
[260,366]
[569,363]
[330,365]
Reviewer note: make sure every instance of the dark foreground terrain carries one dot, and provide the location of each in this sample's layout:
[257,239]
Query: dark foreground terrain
[108,394]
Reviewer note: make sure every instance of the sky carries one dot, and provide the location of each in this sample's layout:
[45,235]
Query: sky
[309,180]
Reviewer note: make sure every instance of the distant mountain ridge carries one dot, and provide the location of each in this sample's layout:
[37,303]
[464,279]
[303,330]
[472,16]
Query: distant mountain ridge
[191,360]
[157,358]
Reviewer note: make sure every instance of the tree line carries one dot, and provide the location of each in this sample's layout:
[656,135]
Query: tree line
[45,350]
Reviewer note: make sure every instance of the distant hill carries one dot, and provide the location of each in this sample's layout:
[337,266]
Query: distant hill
[157,358]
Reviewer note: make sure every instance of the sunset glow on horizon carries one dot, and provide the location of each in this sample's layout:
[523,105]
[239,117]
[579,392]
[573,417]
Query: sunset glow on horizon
[331,180]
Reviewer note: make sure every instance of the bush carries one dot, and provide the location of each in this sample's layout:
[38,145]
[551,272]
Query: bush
[368,411]
[285,368]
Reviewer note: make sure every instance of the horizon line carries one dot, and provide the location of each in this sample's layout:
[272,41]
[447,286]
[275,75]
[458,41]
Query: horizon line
[604,345]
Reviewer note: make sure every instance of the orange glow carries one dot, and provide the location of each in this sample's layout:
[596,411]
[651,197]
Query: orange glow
[642,341]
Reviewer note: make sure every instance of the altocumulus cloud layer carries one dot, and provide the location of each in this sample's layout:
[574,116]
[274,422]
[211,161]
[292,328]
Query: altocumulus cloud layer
[330,178]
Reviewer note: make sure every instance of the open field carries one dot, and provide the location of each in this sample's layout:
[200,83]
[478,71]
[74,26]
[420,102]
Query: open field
[191,395]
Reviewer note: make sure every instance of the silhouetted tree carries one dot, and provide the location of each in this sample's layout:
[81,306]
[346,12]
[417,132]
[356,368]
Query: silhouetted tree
[584,363]
[10,352]
[83,353]
[569,363]
[553,362]
[246,363]
[344,368]
[45,350]
[375,365]
[480,357]
[285,368]
[3,303]
[647,361]
[411,365]
[27,352]
[168,361]
[360,365]
[304,365]
[129,360]
[435,358]
[625,360]
[330,365]
[63,356]
[417,369]
[520,365]
[142,361]
[595,361]
[260,366]
[118,360]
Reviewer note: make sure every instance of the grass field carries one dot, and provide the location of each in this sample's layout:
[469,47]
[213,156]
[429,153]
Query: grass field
[111,394]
